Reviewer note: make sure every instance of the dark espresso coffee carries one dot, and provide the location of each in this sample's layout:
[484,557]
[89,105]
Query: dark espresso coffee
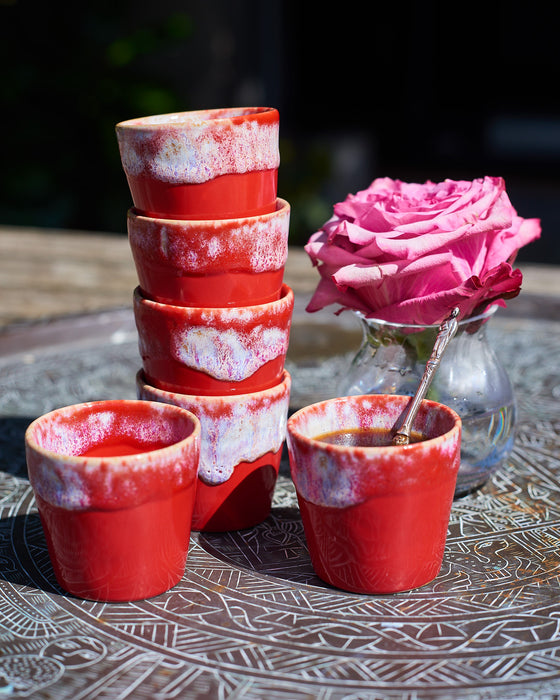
[364,437]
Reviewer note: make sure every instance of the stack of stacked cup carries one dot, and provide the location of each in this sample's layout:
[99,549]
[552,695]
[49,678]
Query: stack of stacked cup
[209,239]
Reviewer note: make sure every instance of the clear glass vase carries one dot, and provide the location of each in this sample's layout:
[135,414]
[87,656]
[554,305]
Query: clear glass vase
[470,379]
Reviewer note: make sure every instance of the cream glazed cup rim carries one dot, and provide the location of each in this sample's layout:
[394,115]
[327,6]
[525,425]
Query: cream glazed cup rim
[373,449]
[198,117]
[286,299]
[464,322]
[209,399]
[282,206]
[122,460]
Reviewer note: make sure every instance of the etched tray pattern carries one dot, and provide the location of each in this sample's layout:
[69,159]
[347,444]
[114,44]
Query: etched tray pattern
[250,619]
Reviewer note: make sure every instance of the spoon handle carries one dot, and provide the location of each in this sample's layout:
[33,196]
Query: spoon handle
[446,332]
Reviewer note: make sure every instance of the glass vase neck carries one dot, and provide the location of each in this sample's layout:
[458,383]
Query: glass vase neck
[471,323]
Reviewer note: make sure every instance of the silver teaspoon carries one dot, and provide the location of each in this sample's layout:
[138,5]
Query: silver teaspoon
[446,331]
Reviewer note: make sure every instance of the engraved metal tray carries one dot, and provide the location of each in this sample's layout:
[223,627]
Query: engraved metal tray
[250,619]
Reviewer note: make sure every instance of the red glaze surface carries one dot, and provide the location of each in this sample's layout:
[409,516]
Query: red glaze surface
[120,448]
[244,500]
[384,545]
[108,519]
[120,555]
[241,448]
[212,290]
[214,351]
[212,164]
[375,518]
[216,263]
[226,197]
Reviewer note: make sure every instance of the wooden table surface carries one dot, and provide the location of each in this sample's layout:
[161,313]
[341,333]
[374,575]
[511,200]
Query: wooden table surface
[49,273]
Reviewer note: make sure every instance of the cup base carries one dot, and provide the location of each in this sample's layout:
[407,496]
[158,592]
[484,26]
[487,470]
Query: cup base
[241,502]
[220,290]
[375,549]
[230,196]
[119,555]
[193,382]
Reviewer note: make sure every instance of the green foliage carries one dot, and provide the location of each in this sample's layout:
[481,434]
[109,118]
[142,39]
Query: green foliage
[305,168]
[63,94]
[72,76]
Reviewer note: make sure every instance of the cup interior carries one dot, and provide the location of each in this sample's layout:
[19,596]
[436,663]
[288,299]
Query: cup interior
[372,412]
[109,429]
[182,119]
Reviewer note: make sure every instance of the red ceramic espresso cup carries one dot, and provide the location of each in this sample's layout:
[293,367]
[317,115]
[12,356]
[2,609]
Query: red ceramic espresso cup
[375,517]
[205,164]
[213,351]
[115,484]
[240,453]
[218,262]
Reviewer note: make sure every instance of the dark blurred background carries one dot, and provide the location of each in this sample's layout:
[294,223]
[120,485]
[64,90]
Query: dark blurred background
[412,90]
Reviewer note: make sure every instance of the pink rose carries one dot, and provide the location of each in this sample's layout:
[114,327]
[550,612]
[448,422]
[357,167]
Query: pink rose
[409,253]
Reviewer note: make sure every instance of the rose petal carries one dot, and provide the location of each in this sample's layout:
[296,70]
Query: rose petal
[403,251]
[471,296]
